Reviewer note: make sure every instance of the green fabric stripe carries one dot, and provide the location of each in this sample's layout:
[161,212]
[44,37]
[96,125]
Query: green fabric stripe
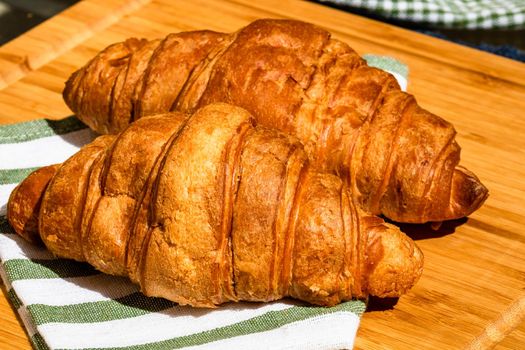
[20,269]
[36,129]
[38,342]
[4,225]
[14,299]
[133,305]
[387,63]
[268,321]
[14,176]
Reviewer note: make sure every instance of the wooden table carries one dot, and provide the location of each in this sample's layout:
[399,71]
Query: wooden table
[472,289]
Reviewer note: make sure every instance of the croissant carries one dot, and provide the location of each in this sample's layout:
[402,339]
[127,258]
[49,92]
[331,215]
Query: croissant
[208,209]
[400,160]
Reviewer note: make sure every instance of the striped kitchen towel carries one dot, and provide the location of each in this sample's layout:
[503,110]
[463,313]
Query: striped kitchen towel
[469,14]
[69,305]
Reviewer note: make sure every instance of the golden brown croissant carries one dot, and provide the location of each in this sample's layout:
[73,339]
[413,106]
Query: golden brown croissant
[210,209]
[399,159]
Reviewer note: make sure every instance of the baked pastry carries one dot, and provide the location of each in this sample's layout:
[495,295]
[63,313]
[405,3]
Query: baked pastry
[354,121]
[208,209]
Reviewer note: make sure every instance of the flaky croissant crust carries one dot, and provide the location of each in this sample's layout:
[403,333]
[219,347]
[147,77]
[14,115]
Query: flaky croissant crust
[400,160]
[207,209]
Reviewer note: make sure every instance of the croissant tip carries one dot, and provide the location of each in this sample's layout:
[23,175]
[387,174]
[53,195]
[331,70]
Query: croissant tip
[67,93]
[24,203]
[468,193]
[399,267]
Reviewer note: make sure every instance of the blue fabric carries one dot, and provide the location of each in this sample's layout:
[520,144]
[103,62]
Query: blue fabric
[508,51]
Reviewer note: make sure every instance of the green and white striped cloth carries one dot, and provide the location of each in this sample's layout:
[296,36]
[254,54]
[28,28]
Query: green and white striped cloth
[69,305]
[470,14]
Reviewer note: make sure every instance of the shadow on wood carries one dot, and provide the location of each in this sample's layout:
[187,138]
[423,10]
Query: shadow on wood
[426,231]
[380,304]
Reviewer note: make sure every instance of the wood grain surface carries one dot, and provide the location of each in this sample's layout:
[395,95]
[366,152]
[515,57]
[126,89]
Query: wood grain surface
[474,269]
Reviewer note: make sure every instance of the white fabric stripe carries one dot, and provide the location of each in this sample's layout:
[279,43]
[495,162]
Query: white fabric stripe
[174,322]
[402,81]
[44,151]
[74,290]
[331,331]
[15,247]
[5,191]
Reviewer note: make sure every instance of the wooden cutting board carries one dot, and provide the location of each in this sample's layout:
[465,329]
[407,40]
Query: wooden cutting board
[472,289]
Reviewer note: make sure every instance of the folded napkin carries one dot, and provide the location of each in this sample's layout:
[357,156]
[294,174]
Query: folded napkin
[69,305]
[472,14]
